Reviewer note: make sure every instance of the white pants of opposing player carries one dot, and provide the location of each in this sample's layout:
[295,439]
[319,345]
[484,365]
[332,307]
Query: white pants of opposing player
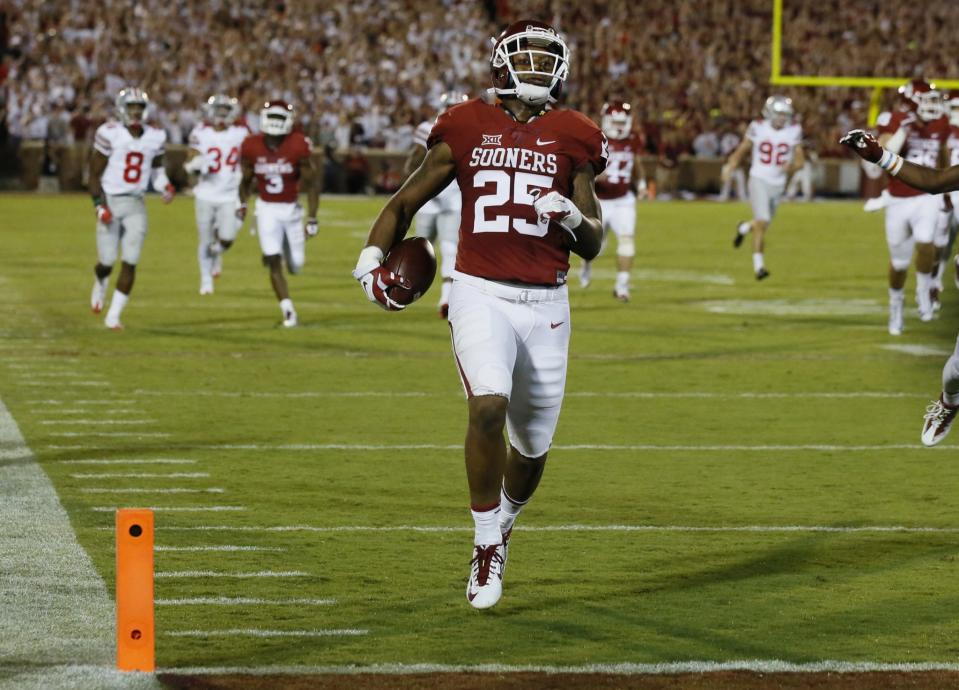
[910,220]
[513,342]
[280,229]
[123,237]
[619,215]
[764,197]
[214,221]
[438,220]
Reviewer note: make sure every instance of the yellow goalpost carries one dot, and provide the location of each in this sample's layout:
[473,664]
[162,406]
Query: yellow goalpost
[876,83]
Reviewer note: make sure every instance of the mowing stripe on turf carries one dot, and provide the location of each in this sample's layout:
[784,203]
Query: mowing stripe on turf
[572,394]
[578,446]
[112,434]
[56,609]
[761,529]
[242,601]
[220,547]
[141,475]
[141,490]
[625,669]
[240,575]
[257,632]
[63,384]
[175,509]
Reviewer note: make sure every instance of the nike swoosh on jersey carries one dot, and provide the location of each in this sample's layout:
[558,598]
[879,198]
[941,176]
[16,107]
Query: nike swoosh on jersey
[540,142]
[554,326]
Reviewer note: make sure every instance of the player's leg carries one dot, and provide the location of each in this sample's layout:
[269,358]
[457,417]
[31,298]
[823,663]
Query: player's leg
[447,232]
[272,235]
[900,243]
[941,413]
[764,199]
[108,245]
[227,225]
[923,221]
[484,348]
[132,215]
[623,222]
[942,244]
[953,228]
[756,197]
[205,217]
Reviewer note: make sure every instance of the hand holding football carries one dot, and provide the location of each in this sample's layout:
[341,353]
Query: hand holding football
[414,261]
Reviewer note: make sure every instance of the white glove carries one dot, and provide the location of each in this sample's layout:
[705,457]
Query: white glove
[642,188]
[196,165]
[312,229]
[376,280]
[556,207]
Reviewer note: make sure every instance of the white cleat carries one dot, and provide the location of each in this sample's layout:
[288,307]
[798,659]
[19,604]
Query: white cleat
[485,586]
[289,319]
[206,286]
[924,305]
[622,294]
[895,318]
[937,422]
[98,294]
[585,274]
[113,323]
[217,268]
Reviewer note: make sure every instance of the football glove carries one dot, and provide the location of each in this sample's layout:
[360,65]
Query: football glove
[168,193]
[104,215]
[556,207]
[196,165]
[863,144]
[312,229]
[376,280]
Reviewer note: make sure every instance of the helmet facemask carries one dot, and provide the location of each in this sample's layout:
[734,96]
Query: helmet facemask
[779,111]
[616,124]
[221,109]
[531,65]
[132,106]
[953,107]
[276,119]
[929,105]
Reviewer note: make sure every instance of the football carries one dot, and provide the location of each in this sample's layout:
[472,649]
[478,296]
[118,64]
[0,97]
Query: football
[414,260]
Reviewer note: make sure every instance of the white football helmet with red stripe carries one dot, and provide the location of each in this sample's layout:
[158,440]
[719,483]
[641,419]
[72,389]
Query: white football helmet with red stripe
[616,119]
[132,105]
[276,118]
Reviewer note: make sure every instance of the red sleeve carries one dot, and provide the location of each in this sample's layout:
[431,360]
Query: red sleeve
[593,148]
[442,130]
[246,149]
[888,123]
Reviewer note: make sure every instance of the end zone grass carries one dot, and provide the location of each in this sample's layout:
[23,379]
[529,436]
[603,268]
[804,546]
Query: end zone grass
[720,489]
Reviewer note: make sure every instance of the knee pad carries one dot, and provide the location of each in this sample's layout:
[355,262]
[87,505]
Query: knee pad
[626,246]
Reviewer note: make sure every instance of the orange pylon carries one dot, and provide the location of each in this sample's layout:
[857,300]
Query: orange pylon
[135,632]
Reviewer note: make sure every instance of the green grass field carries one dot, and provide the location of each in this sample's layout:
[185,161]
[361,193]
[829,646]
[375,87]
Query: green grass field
[712,433]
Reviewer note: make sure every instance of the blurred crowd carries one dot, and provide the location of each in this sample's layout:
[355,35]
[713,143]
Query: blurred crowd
[364,73]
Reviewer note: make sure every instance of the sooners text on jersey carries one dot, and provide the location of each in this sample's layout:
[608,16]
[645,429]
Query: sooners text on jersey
[277,170]
[129,158]
[616,180]
[221,149]
[773,150]
[923,143]
[500,165]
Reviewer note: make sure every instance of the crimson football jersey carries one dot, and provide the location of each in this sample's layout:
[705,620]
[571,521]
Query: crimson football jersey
[616,180]
[277,170]
[500,165]
[922,146]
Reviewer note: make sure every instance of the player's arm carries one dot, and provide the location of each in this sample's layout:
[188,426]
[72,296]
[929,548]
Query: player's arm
[586,239]
[414,160]
[436,171]
[798,161]
[246,184]
[98,163]
[736,157]
[195,163]
[932,180]
[639,177]
[310,181]
[160,181]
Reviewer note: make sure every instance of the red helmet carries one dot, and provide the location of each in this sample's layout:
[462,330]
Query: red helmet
[530,61]
[276,118]
[922,98]
[616,119]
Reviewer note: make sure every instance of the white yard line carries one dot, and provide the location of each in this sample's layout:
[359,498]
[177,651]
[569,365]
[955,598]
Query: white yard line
[240,575]
[652,395]
[176,509]
[624,669]
[57,621]
[760,529]
[99,401]
[141,475]
[113,434]
[66,373]
[242,601]
[258,632]
[218,547]
[160,490]
[64,384]
[128,461]
[579,446]
[97,422]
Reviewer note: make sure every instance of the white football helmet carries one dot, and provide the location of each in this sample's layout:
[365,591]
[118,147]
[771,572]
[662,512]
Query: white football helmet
[922,98]
[128,98]
[221,109]
[616,119]
[778,110]
[450,98]
[276,118]
[530,61]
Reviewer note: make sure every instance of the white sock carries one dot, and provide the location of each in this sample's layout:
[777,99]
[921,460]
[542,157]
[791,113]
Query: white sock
[745,227]
[923,281]
[940,271]
[897,295]
[757,261]
[509,510]
[487,525]
[286,305]
[622,280]
[951,399]
[117,303]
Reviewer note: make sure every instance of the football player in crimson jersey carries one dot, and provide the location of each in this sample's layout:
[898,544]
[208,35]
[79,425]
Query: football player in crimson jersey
[279,159]
[127,157]
[623,181]
[776,154]
[918,131]
[214,156]
[526,174]
[941,413]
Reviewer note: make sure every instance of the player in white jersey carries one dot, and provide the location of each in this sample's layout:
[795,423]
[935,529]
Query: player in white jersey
[775,142]
[127,158]
[439,218]
[215,156]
